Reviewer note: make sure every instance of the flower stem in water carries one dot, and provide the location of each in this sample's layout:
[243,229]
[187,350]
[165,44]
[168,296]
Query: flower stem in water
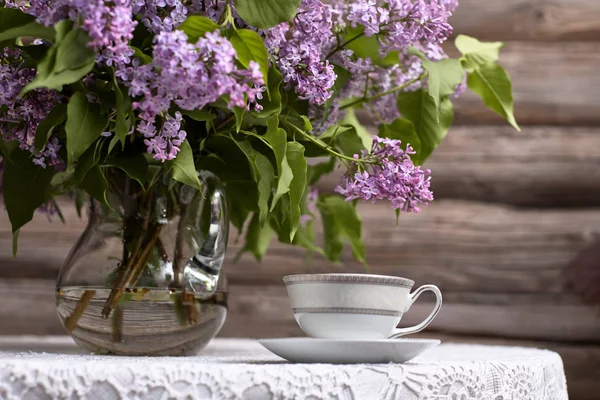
[84,300]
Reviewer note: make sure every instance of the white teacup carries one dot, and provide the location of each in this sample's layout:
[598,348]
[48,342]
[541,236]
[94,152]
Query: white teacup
[355,306]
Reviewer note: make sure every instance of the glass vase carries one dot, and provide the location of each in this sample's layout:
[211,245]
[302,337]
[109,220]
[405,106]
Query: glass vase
[145,277]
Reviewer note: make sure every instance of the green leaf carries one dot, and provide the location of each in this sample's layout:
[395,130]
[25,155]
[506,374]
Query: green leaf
[37,53]
[340,223]
[144,58]
[283,182]
[350,137]
[265,14]
[249,46]
[297,162]
[362,132]
[199,115]
[307,125]
[443,76]
[195,26]
[258,238]
[184,170]
[122,105]
[349,143]
[31,29]
[238,213]
[6,148]
[239,117]
[277,138]
[134,165]
[15,243]
[404,130]
[62,182]
[486,78]
[368,47]
[476,51]
[69,60]
[13,17]
[73,51]
[263,175]
[85,123]
[25,187]
[57,116]
[95,184]
[305,237]
[56,81]
[315,172]
[62,28]
[419,107]
[113,142]
[332,132]
[89,159]
[492,83]
[80,200]
[14,23]
[233,167]
[343,76]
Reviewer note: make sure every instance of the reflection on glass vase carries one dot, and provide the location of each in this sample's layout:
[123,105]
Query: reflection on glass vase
[145,276]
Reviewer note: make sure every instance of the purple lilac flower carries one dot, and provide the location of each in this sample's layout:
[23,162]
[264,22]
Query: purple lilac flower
[164,144]
[398,25]
[415,22]
[322,119]
[160,15]
[109,23]
[193,75]
[367,14]
[21,116]
[47,12]
[391,175]
[299,49]
[190,76]
[385,79]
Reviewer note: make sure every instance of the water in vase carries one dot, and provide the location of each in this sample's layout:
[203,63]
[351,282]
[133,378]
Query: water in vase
[146,321]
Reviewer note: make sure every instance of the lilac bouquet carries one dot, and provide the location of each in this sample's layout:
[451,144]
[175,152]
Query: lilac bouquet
[250,90]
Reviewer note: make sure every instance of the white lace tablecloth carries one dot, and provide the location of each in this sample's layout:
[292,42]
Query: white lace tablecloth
[242,369]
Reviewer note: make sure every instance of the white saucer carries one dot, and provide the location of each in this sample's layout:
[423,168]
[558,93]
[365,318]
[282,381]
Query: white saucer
[348,351]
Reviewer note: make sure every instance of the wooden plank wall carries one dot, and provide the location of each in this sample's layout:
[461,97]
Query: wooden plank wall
[512,210]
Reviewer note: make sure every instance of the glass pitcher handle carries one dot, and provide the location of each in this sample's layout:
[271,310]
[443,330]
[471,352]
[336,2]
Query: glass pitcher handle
[201,274]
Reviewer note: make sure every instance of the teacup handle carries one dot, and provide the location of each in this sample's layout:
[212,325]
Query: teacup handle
[411,299]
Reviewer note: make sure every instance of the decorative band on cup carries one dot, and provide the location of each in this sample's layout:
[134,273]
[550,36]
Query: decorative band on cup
[345,310]
[348,278]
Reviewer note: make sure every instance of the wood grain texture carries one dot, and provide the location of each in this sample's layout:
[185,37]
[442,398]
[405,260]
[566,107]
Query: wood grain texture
[264,310]
[553,84]
[538,167]
[536,20]
[458,245]
[258,309]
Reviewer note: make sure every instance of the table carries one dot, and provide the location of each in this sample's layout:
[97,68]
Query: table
[51,368]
